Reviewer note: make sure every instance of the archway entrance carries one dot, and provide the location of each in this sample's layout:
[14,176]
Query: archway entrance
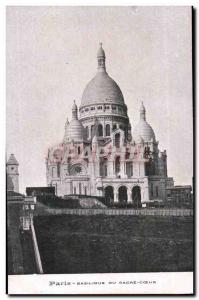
[109,194]
[136,196]
[122,194]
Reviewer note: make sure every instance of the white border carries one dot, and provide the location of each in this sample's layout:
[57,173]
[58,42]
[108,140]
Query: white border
[3,5]
[113,283]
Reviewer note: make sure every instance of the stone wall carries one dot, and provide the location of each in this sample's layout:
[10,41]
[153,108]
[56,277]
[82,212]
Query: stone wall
[115,212]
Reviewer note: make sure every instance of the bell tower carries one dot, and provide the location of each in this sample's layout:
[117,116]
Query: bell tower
[12,174]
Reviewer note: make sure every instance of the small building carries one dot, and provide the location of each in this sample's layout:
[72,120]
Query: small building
[12,174]
[40,191]
[20,210]
[180,195]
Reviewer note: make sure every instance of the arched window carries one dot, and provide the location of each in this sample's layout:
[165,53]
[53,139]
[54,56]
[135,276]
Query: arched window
[156,191]
[122,194]
[92,130]
[101,169]
[105,171]
[117,164]
[109,194]
[80,188]
[129,169]
[54,173]
[79,150]
[117,140]
[100,130]
[151,189]
[87,132]
[136,196]
[114,127]
[108,130]
[58,169]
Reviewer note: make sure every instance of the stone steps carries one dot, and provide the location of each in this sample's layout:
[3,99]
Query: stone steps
[91,203]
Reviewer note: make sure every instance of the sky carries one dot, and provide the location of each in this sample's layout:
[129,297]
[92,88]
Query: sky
[51,56]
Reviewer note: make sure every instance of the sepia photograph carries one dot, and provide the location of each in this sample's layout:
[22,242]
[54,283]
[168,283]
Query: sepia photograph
[99,149]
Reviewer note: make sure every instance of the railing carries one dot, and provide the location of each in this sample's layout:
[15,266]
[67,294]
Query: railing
[36,249]
[121,212]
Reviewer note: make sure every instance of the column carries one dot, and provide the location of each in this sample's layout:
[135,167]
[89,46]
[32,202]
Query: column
[123,169]
[115,195]
[111,169]
[129,193]
[141,169]
[145,194]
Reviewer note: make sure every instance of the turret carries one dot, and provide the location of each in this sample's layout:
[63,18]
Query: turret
[74,111]
[12,174]
[143,128]
[94,143]
[142,112]
[67,123]
[74,130]
[101,58]
[65,132]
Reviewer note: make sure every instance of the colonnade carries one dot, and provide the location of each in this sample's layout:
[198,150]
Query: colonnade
[123,194]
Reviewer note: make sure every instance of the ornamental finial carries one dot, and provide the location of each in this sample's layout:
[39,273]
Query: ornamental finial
[142,112]
[101,58]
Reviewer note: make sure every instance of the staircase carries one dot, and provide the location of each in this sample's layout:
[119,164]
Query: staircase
[91,202]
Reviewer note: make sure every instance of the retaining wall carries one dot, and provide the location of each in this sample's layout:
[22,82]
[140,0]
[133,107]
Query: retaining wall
[115,212]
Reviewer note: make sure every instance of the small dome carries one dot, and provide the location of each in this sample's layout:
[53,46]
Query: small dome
[12,160]
[143,128]
[74,131]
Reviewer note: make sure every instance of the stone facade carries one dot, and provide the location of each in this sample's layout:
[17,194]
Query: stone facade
[99,155]
[180,194]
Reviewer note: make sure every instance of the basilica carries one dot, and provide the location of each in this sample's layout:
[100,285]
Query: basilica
[100,156]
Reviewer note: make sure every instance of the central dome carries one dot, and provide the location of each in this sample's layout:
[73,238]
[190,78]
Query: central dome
[102,88]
